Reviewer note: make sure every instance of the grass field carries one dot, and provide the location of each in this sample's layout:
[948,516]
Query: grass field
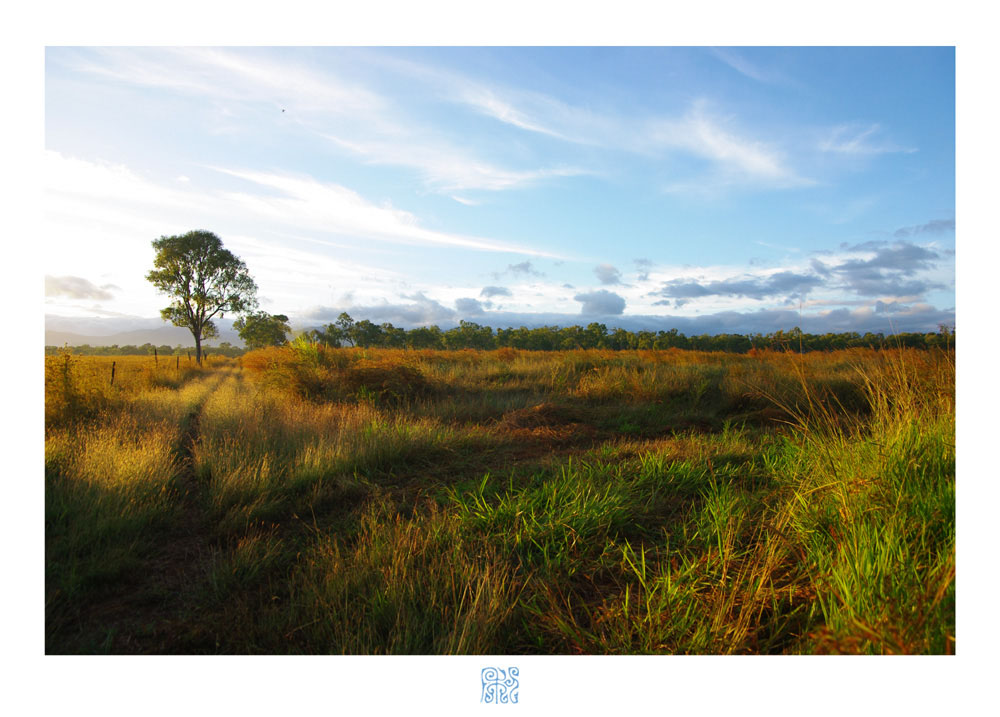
[311,500]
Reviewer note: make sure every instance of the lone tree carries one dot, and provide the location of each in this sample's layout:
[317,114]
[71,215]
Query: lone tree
[260,329]
[204,279]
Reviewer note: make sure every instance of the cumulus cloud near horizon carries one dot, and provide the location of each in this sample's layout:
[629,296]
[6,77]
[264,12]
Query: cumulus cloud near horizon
[601,303]
[522,269]
[892,271]
[607,274]
[643,267]
[897,270]
[777,284]
[933,227]
[470,306]
[420,311]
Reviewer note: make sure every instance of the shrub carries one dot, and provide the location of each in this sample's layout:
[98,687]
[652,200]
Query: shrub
[321,373]
[70,392]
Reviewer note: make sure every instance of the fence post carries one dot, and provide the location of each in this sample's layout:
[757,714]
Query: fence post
[113,372]
[156,358]
[178,362]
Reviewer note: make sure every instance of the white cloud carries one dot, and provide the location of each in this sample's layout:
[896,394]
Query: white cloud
[77,287]
[696,132]
[300,236]
[486,101]
[601,302]
[859,139]
[527,110]
[738,158]
[72,177]
[338,210]
[234,76]
[285,262]
[608,274]
[99,219]
[741,64]
[465,201]
[96,190]
[317,101]
[446,169]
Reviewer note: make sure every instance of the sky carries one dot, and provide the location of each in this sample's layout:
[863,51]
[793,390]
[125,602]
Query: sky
[709,189]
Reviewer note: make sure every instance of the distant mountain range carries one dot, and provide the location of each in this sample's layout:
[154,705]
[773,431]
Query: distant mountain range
[68,331]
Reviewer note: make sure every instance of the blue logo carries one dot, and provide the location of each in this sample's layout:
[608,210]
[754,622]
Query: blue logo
[499,686]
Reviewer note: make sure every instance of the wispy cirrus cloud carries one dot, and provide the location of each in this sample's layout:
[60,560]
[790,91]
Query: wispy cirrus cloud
[351,115]
[859,139]
[295,203]
[488,102]
[233,76]
[737,61]
[382,129]
[727,150]
[446,169]
[735,156]
[695,132]
[336,209]
[527,110]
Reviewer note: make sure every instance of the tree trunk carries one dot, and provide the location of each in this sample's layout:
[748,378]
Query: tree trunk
[197,347]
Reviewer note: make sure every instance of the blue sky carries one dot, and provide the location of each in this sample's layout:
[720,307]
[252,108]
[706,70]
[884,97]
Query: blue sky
[709,189]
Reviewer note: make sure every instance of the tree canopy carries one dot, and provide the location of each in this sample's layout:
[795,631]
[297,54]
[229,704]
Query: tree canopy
[260,329]
[204,279]
[469,335]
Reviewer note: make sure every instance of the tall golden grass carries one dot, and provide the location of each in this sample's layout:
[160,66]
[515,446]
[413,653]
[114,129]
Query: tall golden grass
[390,501]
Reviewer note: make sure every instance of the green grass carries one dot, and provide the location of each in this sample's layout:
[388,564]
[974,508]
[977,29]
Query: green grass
[568,503]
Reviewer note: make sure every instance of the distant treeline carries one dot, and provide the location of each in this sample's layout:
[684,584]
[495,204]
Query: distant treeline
[225,349]
[469,335]
[346,332]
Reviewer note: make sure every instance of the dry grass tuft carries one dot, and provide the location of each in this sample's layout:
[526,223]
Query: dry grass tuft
[546,414]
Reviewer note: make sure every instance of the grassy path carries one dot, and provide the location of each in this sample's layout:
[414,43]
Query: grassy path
[186,554]
[157,536]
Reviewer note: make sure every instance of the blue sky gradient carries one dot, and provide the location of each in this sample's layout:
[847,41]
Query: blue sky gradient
[707,189]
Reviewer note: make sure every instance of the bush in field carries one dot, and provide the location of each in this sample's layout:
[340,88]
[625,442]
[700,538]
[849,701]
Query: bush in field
[385,382]
[70,393]
[321,373]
